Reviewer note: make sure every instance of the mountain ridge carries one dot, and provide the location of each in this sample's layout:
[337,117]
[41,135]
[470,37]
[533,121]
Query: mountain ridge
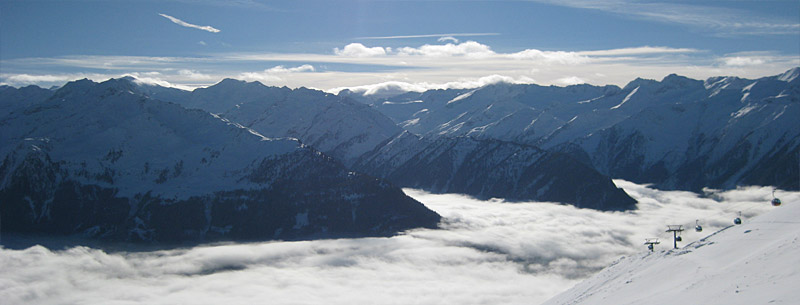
[101,160]
[669,133]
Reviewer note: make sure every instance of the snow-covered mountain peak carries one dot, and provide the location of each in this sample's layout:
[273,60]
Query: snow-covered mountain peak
[121,84]
[790,75]
[715,84]
[74,87]
[235,83]
[678,81]
[639,82]
[106,88]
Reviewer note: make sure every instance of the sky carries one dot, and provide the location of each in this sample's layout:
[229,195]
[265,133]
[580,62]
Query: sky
[487,252]
[415,45]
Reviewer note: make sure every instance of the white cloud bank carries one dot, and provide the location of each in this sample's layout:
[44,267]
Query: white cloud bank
[446,64]
[177,21]
[466,49]
[488,252]
[359,50]
[448,35]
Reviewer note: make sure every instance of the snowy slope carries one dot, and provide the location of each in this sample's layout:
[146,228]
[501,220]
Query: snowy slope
[105,160]
[752,263]
[338,126]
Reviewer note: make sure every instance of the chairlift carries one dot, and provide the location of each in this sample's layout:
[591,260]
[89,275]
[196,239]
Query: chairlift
[738,220]
[775,200]
[697,226]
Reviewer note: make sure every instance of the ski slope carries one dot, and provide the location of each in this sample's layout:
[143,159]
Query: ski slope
[752,263]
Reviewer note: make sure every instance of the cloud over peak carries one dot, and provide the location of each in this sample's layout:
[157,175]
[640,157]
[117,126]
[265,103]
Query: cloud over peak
[274,74]
[396,87]
[177,21]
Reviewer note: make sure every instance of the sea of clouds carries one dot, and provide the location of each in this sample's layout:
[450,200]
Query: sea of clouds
[487,252]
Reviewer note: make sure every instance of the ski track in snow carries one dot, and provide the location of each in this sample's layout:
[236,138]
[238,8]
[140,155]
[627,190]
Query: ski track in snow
[488,252]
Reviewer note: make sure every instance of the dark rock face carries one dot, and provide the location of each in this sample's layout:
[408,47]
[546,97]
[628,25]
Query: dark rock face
[103,161]
[491,168]
[41,198]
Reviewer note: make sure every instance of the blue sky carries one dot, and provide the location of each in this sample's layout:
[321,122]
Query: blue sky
[412,44]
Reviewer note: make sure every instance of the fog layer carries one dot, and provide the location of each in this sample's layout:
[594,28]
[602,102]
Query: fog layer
[487,252]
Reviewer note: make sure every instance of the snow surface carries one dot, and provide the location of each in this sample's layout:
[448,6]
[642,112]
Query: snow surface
[626,99]
[82,130]
[461,97]
[752,263]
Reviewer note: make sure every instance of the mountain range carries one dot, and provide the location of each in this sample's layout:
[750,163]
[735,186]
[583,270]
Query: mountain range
[105,160]
[677,133]
[352,132]
[128,160]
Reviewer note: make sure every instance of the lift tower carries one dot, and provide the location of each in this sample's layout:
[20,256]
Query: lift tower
[650,242]
[676,231]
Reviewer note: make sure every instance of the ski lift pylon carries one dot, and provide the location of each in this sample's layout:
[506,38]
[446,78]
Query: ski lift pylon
[650,242]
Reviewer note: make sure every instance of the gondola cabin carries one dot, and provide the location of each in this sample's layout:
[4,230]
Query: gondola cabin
[775,200]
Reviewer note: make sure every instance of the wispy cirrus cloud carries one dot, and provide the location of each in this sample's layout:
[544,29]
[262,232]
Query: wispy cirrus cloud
[177,21]
[720,21]
[645,50]
[447,38]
